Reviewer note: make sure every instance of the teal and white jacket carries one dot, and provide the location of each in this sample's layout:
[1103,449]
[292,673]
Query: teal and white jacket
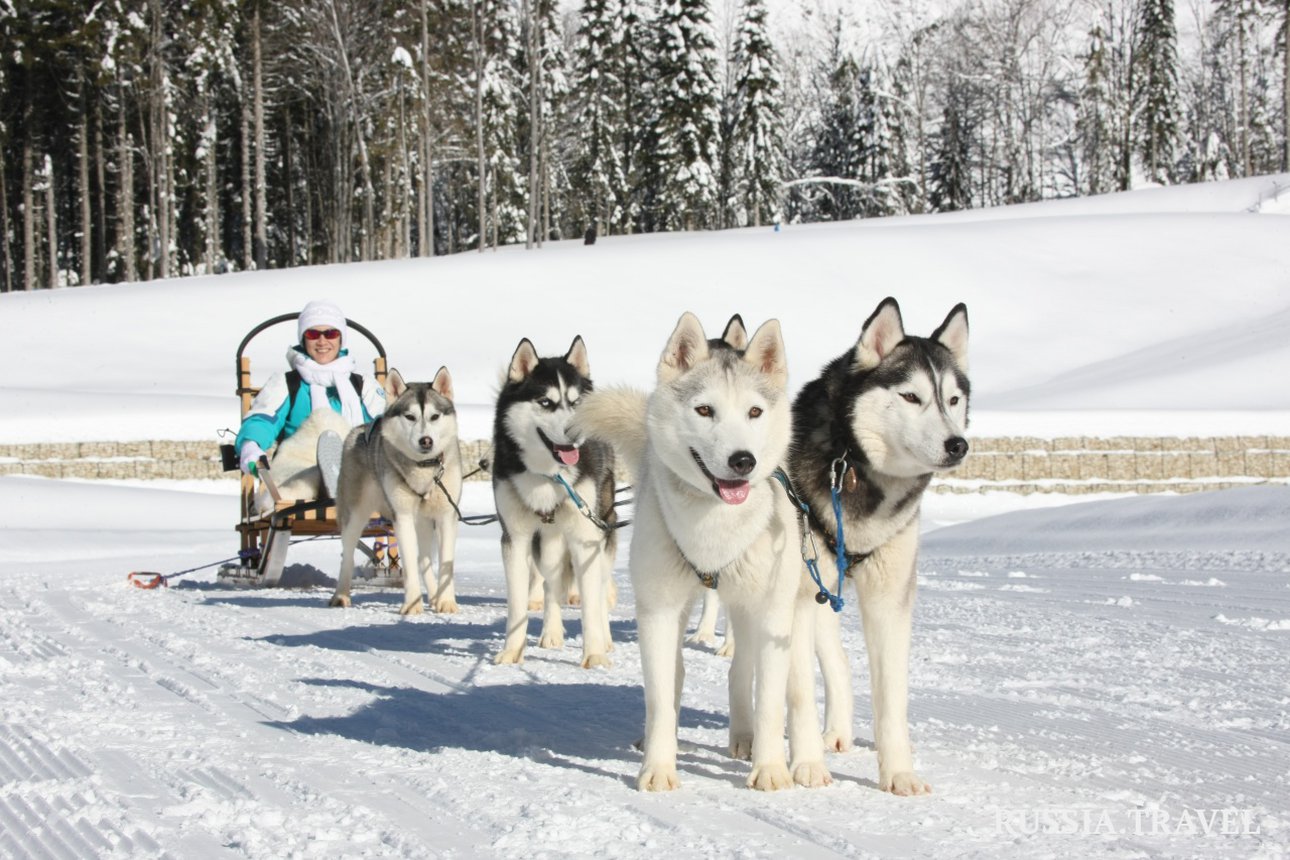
[275,413]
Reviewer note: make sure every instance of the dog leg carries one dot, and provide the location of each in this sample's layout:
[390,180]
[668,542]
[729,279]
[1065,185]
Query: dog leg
[740,688]
[770,640]
[589,564]
[806,751]
[706,632]
[839,705]
[518,564]
[660,628]
[414,563]
[551,562]
[444,595]
[886,606]
[727,648]
[536,590]
[351,529]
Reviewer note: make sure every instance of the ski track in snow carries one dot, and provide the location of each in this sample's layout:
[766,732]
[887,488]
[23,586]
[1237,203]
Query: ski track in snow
[206,721]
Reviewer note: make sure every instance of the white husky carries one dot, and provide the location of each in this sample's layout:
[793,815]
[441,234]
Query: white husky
[703,449]
[406,466]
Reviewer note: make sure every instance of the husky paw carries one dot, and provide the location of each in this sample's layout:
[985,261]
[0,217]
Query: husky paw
[592,661]
[340,600]
[741,747]
[416,607]
[906,784]
[445,605]
[509,657]
[838,742]
[727,649]
[536,605]
[658,778]
[770,777]
[551,640]
[812,774]
[575,600]
[701,637]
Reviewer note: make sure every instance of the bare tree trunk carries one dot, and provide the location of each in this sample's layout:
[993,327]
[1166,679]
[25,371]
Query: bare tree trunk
[530,21]
[125,192]
[356,120]
[290,183]
[212,188]
[6,256]
[1285,84]
[1243,97]
[261,203]
[87,215]
[477,32]
[426,201]
[28,219]
[100,216]
[248,242]
[309,198]
[51,223]
[160,138]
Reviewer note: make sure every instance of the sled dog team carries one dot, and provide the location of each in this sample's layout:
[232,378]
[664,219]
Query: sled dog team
[734,487]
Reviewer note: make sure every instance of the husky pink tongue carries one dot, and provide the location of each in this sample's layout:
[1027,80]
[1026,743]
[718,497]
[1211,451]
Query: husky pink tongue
[566,454]
[732,492]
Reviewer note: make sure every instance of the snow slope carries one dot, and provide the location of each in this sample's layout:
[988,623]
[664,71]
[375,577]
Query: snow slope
[1157,312]
[1105,679]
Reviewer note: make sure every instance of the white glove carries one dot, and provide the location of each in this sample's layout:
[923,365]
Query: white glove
[251,455]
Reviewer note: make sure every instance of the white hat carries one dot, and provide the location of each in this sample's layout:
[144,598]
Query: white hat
[321,313]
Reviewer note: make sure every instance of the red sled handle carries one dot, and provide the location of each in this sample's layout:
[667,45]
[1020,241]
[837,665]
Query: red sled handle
[146,579]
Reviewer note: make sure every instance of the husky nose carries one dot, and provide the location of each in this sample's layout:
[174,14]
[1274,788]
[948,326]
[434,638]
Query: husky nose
[426,443]
[742,462]
[956,447]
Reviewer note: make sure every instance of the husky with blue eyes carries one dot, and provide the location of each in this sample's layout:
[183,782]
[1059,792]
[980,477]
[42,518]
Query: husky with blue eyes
[405,466]
[554,492]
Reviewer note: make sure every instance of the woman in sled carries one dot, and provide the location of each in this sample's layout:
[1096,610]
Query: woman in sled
[320,393]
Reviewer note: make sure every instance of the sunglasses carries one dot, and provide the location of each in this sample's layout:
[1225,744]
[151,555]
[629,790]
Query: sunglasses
[329,333]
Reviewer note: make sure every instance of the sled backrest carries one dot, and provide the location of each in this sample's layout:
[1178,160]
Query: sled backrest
[246,392]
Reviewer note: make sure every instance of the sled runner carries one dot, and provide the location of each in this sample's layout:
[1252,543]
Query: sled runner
[266,535]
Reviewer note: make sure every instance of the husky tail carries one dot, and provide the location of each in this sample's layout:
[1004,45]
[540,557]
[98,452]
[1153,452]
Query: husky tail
[616,415]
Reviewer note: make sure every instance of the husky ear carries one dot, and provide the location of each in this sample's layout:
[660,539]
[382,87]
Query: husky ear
[735,335]
[577,356]
[880,334]
[523,361]
[443,383]
[686,348]
[394,384]
[766,353]
[953,335]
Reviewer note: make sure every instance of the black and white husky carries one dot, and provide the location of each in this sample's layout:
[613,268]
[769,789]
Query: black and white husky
[876,425]
[541,471]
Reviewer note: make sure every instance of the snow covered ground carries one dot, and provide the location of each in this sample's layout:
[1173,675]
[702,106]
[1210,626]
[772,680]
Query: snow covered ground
[1101,679]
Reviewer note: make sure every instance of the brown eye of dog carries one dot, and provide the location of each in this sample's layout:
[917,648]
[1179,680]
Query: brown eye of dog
[755,412]
[705,411]
[954,401]
[911,398]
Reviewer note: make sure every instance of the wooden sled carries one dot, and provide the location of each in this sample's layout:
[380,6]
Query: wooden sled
[266,536]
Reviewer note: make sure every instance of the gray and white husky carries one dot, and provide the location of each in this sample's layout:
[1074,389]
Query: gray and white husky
[709,513]
[539,465]
[877,424]
[406,466]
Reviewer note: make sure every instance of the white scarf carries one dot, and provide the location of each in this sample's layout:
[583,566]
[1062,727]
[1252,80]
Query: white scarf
[334,374]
